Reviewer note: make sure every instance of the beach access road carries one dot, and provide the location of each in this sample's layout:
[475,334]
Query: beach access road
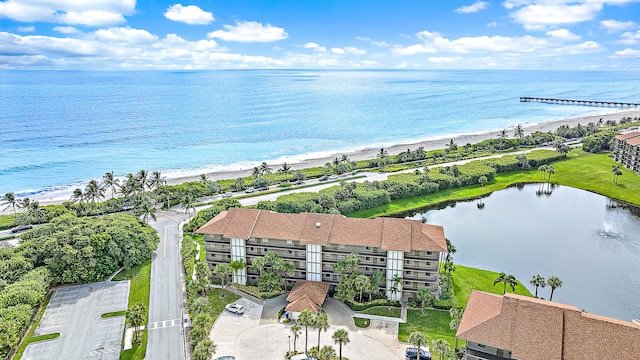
[166,331]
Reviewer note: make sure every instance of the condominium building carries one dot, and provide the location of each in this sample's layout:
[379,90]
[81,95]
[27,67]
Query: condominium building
[314,243]
[512,326]
[627,151]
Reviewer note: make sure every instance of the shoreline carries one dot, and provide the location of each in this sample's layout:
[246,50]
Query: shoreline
[61,195]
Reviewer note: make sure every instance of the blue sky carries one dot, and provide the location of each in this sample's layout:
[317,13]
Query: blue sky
[229,34]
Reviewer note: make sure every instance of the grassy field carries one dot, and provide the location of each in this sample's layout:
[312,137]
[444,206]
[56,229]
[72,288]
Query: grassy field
[140,277]
[382,311]
[361,322]
[466,279]
[30,338]
[581,170]
[434,323]
[217,303]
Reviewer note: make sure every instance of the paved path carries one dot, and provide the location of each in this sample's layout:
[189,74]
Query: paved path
[228,327]
[75,312]
[166,335]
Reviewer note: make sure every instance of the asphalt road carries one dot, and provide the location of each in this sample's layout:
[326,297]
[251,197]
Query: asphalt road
[166,333]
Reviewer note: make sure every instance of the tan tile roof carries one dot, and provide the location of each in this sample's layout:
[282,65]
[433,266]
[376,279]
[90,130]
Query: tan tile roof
[323,229]
[316,291]
[634,141]
[628,135]
[539,329]
[302,304]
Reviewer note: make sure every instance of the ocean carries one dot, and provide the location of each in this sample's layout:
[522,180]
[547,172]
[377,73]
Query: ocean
[60,129]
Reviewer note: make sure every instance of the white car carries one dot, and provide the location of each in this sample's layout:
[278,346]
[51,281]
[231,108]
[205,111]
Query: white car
[235,308]
[250,190]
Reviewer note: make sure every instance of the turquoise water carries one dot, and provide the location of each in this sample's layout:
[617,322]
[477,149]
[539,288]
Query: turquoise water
[60,128]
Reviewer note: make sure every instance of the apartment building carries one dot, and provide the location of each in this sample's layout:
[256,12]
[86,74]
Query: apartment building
[627,151]
[313,243]
[512,326]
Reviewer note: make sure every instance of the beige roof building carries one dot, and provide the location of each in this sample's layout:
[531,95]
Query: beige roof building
[325,229]
[519,327]
[627,150]
[307,295]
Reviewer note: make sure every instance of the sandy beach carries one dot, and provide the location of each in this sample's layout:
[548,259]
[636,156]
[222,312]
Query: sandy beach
[57,197]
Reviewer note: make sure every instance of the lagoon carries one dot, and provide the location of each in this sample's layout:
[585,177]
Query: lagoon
[589,241]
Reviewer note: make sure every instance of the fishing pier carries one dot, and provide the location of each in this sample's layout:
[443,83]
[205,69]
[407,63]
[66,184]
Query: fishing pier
[609,104]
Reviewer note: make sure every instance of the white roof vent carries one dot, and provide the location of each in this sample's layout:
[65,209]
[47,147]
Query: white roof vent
[318,225]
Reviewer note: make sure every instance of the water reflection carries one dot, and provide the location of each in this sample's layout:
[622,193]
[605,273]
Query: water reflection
[590,242]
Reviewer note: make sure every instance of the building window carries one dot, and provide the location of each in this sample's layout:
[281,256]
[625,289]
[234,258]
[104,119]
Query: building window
[289,252]
[213,255]
[409,262]
[265,240]
[252,248]
[228,256]
[407,282]
[367,247]
[289,242]
[327,275]
[426,284]
[428,263]
[429,252]
[482,346]
[367,258]
[366,269]
[428,274]
[408,272]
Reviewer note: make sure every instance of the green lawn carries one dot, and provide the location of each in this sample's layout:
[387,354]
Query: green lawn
[580,170]
[29,338]
[382,311]
[361,322]
[466,279]
[434,323]
[140,277]
[217,303]
[200,240]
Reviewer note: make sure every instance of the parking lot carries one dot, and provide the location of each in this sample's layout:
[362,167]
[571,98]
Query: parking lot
[75,312]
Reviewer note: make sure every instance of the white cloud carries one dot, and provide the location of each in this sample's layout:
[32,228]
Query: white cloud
[338,51]
[66,30]
[126,34]
[626,54]
[537,16]
[614,25]
[492,24]
[73,12]
[563,34]
[348,50]
[314,46]
[25,29]
[444,59]
[190,14]
[475,7]
[414,49]
[249,31]
[373,42]
[629,38]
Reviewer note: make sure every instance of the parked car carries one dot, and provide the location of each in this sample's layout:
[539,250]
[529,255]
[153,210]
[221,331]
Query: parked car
[226,358]
[298,182]
[235,308]
[20,228]
[227,195]
[412,354]
[264,188]
[324,178]
[250,190]
[333,177]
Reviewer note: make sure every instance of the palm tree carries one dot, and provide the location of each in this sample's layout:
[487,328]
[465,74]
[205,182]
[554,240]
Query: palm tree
[204,180]
[258,264]
[361,282]
[538,281]
[451,146]
[542,169]
[306,319]
[345,158]
[93,191]
[502,135]
[456,318]
[554,282]
[256,172]
[188,202]
[340,337]
[236,266]
[482,180]
[295,330]
[110,181]
[156,181]
[440,346]
[265,169]
[223,270]
[285,169]
[141,176]
[382,154]
[202,275]
[10,198]
[396,282]
[417,339]
[145,209]
[425,297]
[321,322]
[519,132]
[135,315]
[36,212]
[551,170]
[615,169]
[203,350]
[352,261]
[77,196]
[377,277]
[238,185]
[24,203]
[326,353]
[506,280]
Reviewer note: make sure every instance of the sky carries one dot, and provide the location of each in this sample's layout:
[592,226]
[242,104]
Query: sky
[319,34]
